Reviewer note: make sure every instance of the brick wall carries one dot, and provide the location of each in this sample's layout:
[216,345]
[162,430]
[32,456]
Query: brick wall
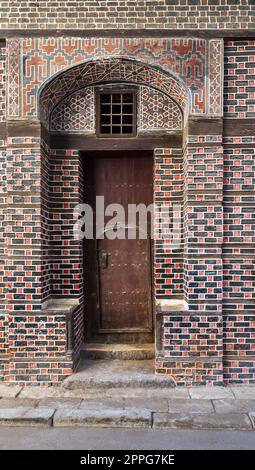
[239,213]
[112,14]
[3,319]
[209,338]
[168,192]
[239,77]
[65,251]
[192,339]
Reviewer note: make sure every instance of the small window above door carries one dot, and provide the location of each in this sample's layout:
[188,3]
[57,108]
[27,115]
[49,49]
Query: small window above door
[116,113]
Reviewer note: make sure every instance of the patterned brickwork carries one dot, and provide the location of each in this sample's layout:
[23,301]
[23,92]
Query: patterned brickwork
[189,337]
[210,275]
[239,216]
[13,84]
[65,251]
[76,113]
[22,224]
[3,318]
[239,371]
[168,244]
[192,335]
[191,372]
[3,52]
[239,79]
[110,70]
[37,336]
[239,170]
[32,61]
[113,14]
[158,112]
[203,221]
[38,372]
[215,75]
[239,334]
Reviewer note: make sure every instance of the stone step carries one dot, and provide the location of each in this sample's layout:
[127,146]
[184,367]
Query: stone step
[98,375]
[103,418]
[122,352]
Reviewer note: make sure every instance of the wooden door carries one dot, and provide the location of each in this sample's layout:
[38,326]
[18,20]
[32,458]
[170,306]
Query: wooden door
[118,271]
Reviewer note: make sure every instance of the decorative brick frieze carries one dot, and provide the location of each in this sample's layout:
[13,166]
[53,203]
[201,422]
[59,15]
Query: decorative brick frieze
[13,82]
[38,59]
[215,77]
[3,57]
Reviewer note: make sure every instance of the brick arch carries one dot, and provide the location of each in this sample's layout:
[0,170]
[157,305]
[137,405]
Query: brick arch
[105,71]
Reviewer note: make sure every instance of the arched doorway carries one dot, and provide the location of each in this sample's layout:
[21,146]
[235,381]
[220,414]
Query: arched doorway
[115,282]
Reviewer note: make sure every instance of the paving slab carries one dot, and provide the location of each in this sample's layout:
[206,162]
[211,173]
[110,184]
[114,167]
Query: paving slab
[22,416]
[9,391]
[59,403]
[190,406]
[17,402]
[152,404]
[233,406]
[202,421]
[210,393]
[145,393]
[115,403]
[103,418]
[244,392]
[41,392]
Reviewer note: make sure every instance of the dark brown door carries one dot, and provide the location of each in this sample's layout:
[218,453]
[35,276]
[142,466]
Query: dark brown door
[118,271]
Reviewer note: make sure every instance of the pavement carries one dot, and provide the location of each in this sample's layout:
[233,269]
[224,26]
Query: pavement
[142,407]
[23,438]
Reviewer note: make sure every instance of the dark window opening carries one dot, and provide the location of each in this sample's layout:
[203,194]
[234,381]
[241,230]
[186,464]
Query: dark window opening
[116,113]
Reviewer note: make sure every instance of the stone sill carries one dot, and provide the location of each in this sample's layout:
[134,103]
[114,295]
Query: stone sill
[171,305]
[60,306]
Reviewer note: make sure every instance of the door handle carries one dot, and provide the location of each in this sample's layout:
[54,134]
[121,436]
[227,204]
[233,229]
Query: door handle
[103,258]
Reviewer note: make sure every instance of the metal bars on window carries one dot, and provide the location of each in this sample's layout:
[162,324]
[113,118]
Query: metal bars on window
[116,113]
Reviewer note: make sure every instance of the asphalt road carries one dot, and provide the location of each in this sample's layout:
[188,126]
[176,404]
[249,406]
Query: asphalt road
[128,439]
